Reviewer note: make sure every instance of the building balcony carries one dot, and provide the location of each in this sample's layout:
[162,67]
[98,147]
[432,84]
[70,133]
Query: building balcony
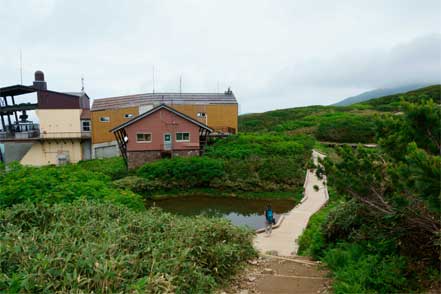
[36,135]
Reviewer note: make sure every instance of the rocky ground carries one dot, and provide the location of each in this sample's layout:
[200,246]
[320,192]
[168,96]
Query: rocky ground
[274,274]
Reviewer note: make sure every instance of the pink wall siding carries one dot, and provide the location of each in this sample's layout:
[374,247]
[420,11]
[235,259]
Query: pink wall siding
[159,123]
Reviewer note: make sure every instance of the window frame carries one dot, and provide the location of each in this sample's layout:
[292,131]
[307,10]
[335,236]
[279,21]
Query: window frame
[106,119]
[89,126]
[182,140]
[144,133]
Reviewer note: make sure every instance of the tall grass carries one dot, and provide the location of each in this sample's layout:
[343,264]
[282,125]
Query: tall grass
[102,248]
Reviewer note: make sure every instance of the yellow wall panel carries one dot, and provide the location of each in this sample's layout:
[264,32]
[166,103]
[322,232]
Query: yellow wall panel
[100,130]
[218,117]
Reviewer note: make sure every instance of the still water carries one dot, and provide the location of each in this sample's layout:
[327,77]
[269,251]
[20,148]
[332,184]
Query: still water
[239,211]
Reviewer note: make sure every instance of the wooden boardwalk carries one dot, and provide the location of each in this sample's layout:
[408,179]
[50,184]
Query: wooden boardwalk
[283,240]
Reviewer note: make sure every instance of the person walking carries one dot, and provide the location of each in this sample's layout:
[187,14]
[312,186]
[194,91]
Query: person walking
[269,220]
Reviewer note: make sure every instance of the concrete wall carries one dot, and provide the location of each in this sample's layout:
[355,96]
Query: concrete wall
[59,120]
[15,151]
[46,152]
[105,150]
[86,150]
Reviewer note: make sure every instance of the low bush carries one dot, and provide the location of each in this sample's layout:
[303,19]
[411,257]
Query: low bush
[185,172]
[86,247]
[113,167]
[360,262]
[356,270]
[346,127]
[54,184]
[242,163]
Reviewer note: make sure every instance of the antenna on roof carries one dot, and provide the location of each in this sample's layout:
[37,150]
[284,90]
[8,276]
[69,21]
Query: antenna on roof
[153,79]
[180,84]
[82,84]
[21,68]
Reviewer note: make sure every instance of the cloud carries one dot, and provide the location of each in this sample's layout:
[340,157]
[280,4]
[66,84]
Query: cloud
[273,53]
[414,62]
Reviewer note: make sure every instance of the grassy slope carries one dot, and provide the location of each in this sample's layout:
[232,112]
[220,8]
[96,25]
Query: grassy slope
[353,122]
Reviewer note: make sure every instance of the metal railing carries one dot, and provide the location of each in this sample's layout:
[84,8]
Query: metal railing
[36,134]
[64,135]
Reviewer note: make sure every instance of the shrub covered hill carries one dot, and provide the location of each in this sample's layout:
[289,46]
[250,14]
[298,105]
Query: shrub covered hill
[345,124]
[380,232]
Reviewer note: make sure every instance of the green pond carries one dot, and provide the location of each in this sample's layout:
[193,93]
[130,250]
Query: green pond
[241,212]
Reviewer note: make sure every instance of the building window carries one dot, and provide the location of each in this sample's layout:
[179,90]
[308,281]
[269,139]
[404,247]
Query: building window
[201,114]
[104,119]
[128,115]
[143,137]
[85,125]
[182,137]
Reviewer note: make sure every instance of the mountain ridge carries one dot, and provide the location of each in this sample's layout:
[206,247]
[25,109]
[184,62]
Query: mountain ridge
[376,93]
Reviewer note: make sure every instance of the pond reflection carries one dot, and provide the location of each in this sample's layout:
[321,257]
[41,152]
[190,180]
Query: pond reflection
[248,212]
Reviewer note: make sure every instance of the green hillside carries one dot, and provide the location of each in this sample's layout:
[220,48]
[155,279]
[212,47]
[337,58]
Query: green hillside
[391,102]
[355,123]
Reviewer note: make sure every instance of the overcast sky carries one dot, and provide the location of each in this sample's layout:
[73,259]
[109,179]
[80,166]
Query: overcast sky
[273,54]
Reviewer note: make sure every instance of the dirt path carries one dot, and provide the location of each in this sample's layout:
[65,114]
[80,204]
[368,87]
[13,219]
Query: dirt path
[283,239]
[279,275]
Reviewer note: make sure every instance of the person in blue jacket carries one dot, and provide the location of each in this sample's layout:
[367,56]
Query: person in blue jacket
[269,220]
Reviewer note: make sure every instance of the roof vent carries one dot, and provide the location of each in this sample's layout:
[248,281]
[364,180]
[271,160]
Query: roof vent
[39,82]
[228,92]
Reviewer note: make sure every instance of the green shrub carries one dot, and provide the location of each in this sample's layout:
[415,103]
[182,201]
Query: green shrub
[185,172]
[113,167]
[357,270]
[54,184]
[103,248]
[242,163]
[346,127]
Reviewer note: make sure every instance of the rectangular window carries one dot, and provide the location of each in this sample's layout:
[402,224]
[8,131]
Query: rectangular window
[201,114]
[183,137]
[85,125]
[143,137]
[128,115]
[104,119]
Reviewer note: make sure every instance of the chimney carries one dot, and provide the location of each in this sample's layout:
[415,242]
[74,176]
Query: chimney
[39,82]
[228,92]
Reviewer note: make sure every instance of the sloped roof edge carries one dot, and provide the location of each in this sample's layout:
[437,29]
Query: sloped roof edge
[161,106]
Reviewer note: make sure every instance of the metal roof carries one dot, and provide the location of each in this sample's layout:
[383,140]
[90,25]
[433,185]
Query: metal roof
[161,106]
[163,98]
[16,90]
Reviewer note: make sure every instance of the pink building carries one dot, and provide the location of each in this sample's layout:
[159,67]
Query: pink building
[161,132]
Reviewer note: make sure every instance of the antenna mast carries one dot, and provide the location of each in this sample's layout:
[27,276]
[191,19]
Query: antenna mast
[180,84]
[82,84]
[21,68]
[153,79]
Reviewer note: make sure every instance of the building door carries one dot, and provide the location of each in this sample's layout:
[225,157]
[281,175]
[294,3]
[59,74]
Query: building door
[167,141]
